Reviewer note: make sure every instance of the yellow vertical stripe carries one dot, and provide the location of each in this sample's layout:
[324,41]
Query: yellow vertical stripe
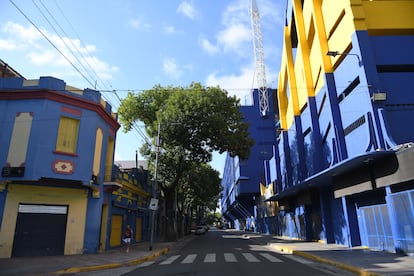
[98,152]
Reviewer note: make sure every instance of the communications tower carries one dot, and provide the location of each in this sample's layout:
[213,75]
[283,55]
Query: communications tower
[259,59]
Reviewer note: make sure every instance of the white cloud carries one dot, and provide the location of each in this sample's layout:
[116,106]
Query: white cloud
[28,34]
[174,70]
[238,85]
[40,53]
[237,12]
[187,9]
[139,24]
[42,58]
[207,46]
[7,45]
[170,67]
[234,38]
[169,29]
[102,69]
[235,35]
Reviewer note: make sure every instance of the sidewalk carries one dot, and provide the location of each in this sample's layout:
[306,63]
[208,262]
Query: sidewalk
[357,260]
[72,264]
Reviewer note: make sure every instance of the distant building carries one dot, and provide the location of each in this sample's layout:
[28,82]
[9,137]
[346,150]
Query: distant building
[241,178]
[129,164]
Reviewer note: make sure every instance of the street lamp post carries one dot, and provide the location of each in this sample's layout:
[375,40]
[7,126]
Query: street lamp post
[154,192]
[337,53]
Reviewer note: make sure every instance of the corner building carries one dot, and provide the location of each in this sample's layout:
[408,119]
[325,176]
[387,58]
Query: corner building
[60,193]
[344,158]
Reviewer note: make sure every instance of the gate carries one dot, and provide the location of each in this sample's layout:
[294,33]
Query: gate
[40,231]
[375,227]
[402,211]
[116,231]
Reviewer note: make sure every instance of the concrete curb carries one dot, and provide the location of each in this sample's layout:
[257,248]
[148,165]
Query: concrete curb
[350,268]
[111,265]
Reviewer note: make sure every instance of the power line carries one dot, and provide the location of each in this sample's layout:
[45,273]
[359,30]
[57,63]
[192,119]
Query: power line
[51,43]
[139,132]
[61,38]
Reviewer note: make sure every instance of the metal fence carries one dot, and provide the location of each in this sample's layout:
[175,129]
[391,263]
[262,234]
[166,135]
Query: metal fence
[389,226]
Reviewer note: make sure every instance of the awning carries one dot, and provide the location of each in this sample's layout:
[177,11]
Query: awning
[377,160]
[111,186]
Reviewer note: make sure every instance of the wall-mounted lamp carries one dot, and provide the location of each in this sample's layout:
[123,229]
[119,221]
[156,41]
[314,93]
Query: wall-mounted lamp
[337,53]
[377,96]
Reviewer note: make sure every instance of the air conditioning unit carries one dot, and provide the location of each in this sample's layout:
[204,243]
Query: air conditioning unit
[12,172]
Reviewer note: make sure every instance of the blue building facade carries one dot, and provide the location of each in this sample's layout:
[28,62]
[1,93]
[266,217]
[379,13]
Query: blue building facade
[241,178]
[343,164]
[59,190]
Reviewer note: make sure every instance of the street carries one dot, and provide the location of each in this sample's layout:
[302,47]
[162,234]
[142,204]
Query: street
[226,253]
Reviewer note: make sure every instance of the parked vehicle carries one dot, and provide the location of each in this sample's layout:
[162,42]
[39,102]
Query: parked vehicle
[200,230]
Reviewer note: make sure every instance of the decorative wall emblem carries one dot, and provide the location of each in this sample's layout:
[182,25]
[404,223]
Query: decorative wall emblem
[63,166]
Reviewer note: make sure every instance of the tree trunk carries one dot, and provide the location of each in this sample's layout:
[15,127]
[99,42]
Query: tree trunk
[171,229]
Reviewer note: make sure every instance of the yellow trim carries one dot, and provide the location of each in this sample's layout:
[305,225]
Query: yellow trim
[98,152]
[109,159]
[385,17]
[303,55]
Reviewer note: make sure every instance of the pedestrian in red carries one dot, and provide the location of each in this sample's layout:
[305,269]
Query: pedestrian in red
[128,237]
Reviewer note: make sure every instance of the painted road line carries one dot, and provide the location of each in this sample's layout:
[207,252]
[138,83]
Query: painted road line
[250,258]
[170,260]
[210,258]
[189,259]
[230,258]
[271,258]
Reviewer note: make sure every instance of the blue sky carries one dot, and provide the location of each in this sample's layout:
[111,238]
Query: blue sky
[132,45]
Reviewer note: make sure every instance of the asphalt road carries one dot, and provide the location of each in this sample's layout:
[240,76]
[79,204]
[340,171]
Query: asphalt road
[224,253]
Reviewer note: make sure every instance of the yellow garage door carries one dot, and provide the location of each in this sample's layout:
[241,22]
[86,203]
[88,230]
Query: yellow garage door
[116,230]
[138,227]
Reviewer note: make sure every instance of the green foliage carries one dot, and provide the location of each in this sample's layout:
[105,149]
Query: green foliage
[200,187]
[199,120]
[214,218]
[194,122]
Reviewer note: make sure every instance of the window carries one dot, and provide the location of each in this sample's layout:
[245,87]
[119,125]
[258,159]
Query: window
[67,135]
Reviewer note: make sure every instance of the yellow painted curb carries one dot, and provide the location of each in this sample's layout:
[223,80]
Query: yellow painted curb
[285,249]
[148,258]
[111,265]
[87,268]
[350,268]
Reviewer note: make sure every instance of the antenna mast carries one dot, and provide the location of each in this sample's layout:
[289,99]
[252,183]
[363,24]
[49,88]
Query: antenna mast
[259,59]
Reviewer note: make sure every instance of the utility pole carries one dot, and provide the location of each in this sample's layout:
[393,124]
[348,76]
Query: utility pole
[154,202]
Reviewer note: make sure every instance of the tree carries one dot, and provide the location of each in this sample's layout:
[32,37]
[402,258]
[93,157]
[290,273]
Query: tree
[194,122]
[199,191]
